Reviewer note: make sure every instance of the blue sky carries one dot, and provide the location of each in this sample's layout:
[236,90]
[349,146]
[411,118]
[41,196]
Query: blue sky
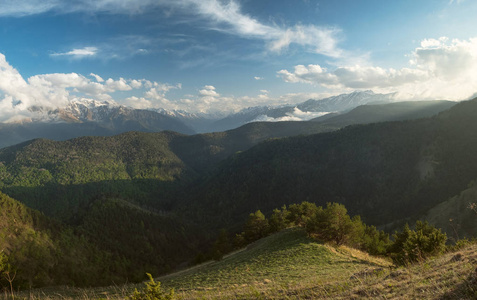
[222,56]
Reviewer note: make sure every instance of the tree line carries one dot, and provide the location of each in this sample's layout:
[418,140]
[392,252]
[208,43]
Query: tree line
[332,224]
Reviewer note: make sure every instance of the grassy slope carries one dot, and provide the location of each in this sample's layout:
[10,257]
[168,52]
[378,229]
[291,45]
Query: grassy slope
[288,265]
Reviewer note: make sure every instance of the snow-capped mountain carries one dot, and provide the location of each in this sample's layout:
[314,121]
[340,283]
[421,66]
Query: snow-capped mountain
[110,115]
[87,110]
[87,118]
[345,102]
[300,112]
[92,117]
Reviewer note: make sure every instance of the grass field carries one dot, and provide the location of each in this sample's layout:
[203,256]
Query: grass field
[289,265]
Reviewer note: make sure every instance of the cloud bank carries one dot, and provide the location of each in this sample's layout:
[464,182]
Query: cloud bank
[438,69]
[18,96]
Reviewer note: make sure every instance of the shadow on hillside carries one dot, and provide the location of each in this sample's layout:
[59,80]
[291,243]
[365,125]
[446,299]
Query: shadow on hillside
[68,202]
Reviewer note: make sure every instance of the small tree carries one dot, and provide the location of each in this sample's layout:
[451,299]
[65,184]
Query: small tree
[333,224]
[256,226]
[7,272]
[152,291]
[279,219]
[300,214]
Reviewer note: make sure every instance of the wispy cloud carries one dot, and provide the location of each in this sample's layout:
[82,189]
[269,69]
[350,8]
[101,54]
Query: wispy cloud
[21,8]
[439,68]
[322,40]
[221,16]
[78,53]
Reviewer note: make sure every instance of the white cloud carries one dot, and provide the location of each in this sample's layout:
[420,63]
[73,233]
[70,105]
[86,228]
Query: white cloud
[78,53]
[208,91]
[258,78]
[117,85]
[97,77]
[296,115]
[439,69]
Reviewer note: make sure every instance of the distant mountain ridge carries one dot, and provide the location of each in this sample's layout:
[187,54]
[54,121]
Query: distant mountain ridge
[340,103]
[396,111]
[103,118]
[88,118]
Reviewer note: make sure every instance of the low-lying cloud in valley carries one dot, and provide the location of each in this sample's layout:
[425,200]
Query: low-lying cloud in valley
[296,115]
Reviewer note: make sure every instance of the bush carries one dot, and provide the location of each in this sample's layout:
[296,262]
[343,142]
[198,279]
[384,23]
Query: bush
[374,241]
[152,291]
[417,245]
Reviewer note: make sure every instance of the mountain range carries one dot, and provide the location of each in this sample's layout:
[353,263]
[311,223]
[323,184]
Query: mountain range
[103,118]
[303,111]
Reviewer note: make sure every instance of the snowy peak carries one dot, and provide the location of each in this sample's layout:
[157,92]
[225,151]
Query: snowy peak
[345,102]
[86,110]
[301,112]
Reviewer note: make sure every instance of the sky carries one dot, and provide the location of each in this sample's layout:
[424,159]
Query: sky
[213,56]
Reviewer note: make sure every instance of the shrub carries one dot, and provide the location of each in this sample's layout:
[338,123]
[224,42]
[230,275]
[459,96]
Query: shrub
[152,291]
[417,245]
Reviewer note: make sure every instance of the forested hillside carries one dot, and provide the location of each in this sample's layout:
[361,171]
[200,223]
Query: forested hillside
[383,172]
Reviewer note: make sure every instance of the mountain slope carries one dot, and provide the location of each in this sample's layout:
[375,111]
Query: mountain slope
[98,250]
[56,177]
[203,152]
[381,171]
[398,111]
